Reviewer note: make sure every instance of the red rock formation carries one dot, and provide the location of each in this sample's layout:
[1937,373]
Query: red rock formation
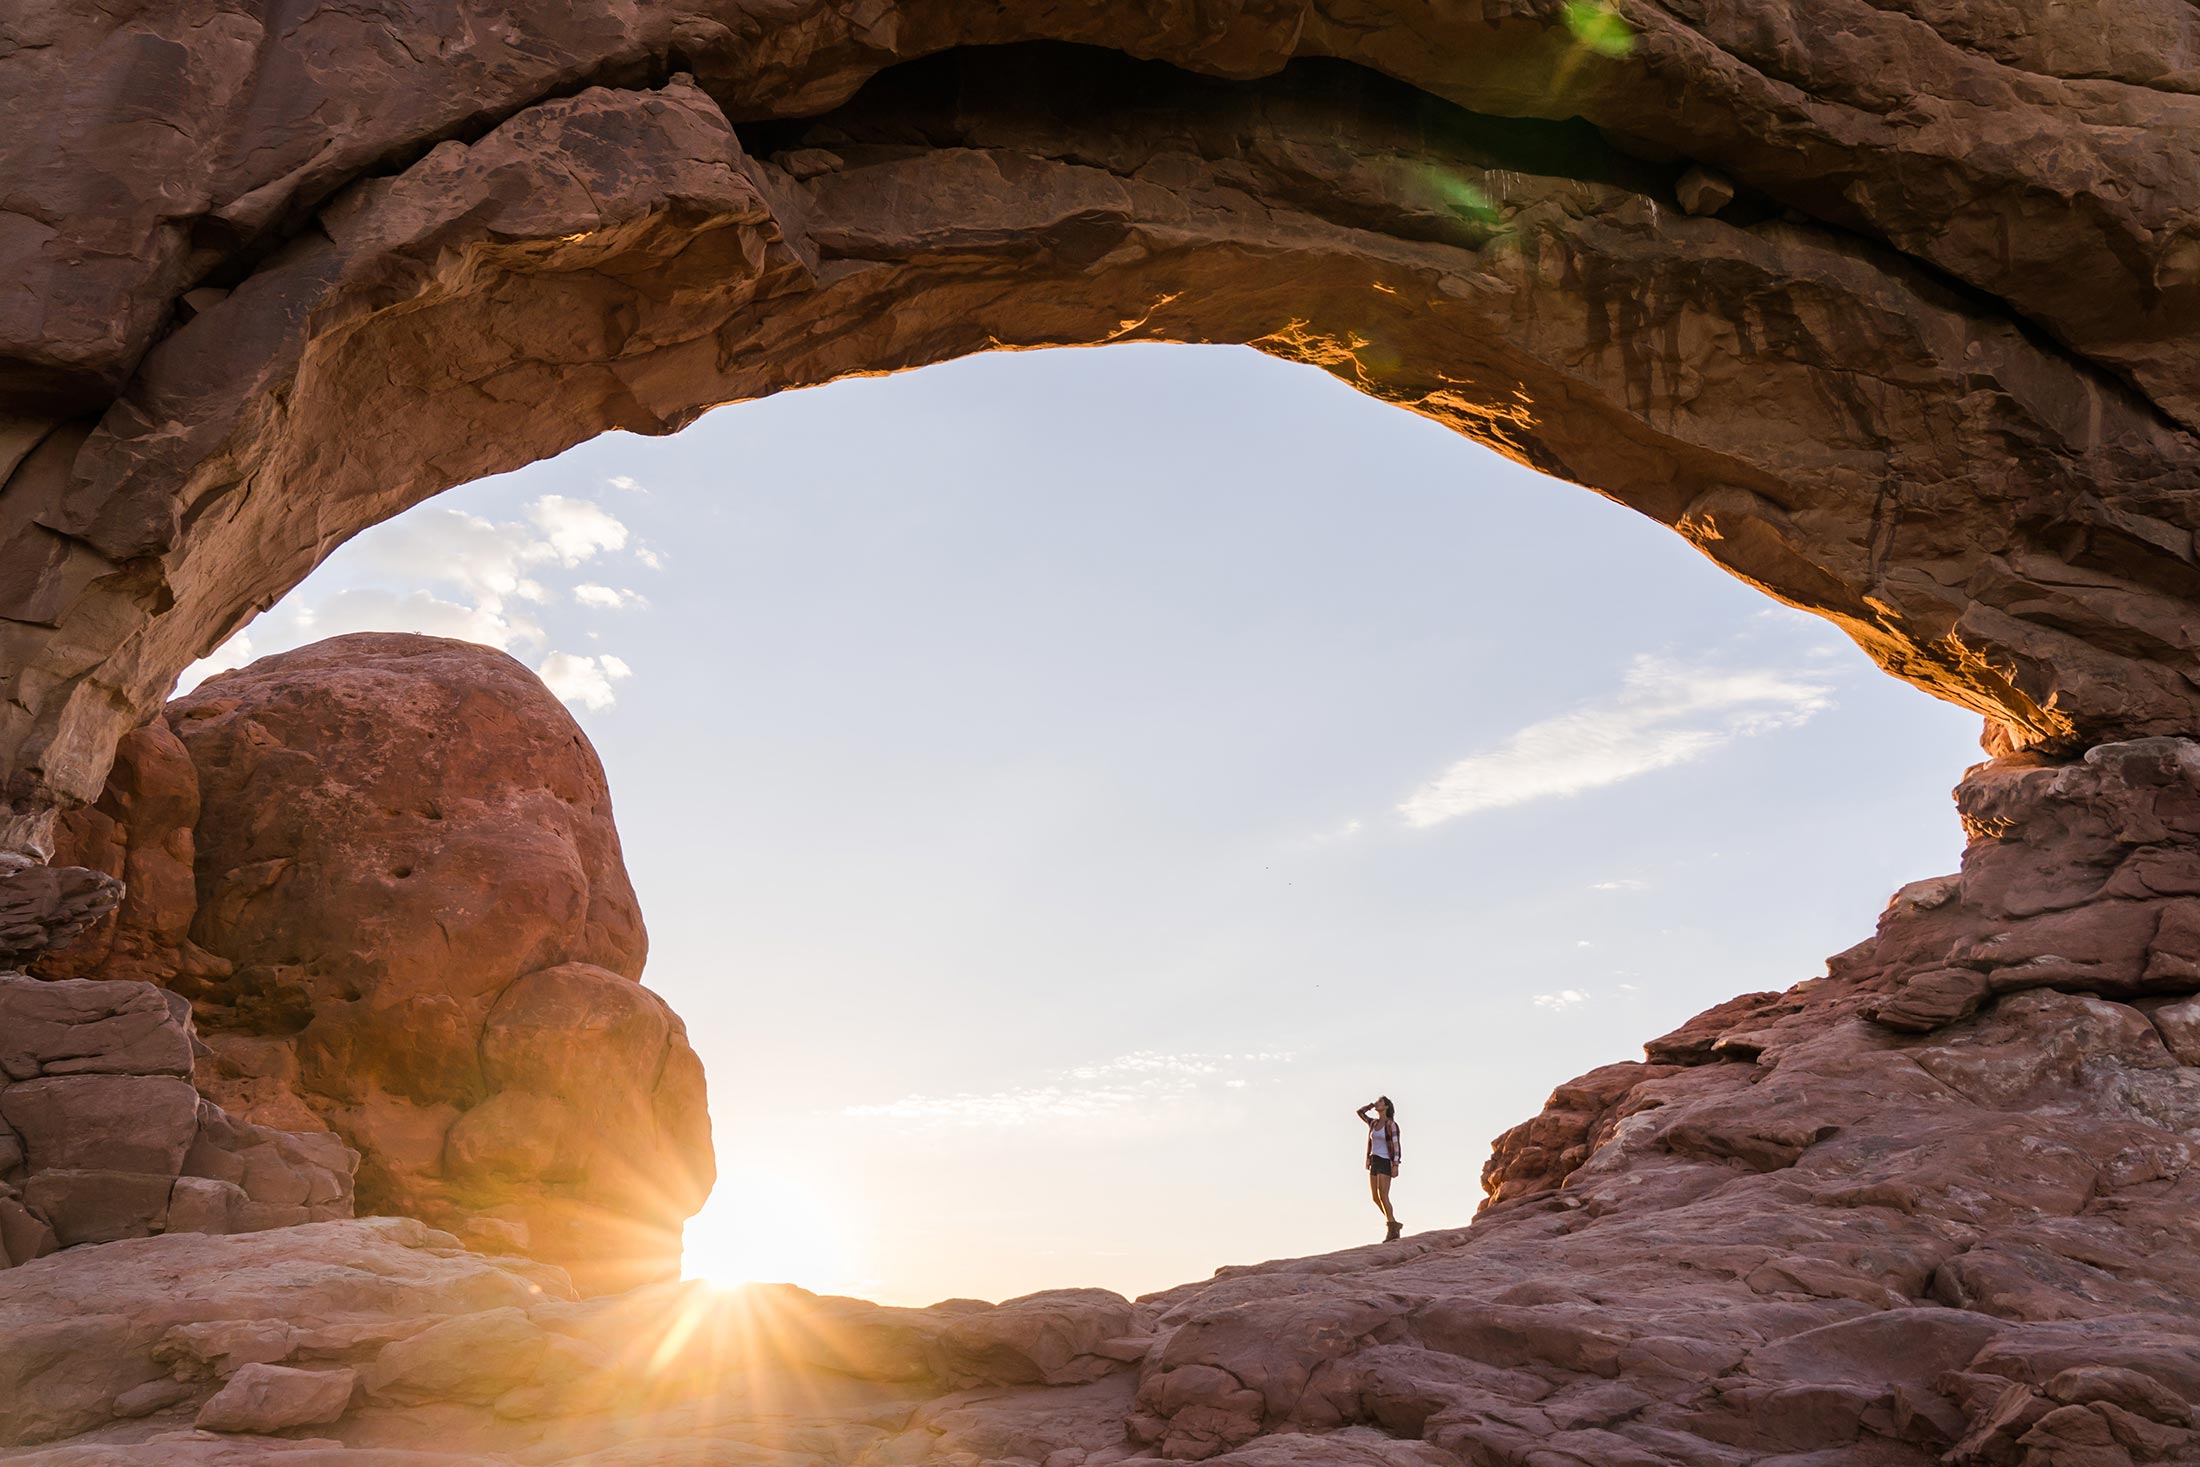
[141,830]
[384,871]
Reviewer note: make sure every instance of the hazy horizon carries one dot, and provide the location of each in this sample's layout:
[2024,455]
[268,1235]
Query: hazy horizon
[1062,785]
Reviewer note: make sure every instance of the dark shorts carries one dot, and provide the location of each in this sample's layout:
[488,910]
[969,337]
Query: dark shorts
[1380,1166]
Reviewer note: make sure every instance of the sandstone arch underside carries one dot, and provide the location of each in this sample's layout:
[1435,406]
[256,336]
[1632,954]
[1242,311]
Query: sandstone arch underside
[1921,361]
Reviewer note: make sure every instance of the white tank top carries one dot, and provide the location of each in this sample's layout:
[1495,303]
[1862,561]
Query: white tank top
[1380,1139]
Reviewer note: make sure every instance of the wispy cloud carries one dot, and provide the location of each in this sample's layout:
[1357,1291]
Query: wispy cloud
[576,529]
[488,620]
[1339,834]
[1624,883]
[446,573]
[582,679]
[371,609]
[489,562]
[608,598]
[1562,1000]
[1666,712]
[234,653]
[1132,1085]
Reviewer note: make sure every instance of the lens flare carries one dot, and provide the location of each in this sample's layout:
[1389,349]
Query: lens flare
[1599,27]
[755,1230]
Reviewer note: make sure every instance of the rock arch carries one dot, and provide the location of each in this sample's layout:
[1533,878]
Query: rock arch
[1916,354]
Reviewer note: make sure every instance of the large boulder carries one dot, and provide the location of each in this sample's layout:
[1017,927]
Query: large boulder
[407,920]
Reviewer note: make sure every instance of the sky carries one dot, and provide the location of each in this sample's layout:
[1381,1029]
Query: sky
[1061,786]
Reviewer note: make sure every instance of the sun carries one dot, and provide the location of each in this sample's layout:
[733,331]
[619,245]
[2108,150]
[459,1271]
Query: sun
[759,1230]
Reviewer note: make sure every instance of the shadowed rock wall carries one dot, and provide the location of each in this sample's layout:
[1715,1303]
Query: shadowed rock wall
[103,1137]
[1922,363]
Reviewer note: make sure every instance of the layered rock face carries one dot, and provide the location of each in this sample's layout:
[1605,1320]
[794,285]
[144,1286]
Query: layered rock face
[383,871]
[1889,308]
[1938,1206]
[102,1135]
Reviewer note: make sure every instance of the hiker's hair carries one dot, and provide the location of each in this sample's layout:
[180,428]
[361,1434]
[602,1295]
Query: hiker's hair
[1390,1111]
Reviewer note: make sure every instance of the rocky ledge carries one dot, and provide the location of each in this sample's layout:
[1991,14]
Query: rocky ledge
[102,1135]
[1940,1205]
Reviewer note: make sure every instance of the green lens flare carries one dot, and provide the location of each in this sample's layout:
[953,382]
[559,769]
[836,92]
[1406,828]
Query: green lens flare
[1466,200]
[1599,27]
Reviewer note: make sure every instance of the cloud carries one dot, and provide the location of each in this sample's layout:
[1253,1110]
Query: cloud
[1146,1064]
[234,653]
[449,547]
[372,609]
[1338,834]
[444,572]
[365,609]
[1624,883]
[1666,712]
[576,529]
[585,681]
[1132,1085]
[1564,999]
[604,598]
[627,483]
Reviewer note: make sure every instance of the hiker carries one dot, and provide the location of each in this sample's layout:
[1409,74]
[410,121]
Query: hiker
[1384,1151]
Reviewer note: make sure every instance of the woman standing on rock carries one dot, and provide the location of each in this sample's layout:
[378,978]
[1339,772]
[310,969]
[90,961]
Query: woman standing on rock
[1384,1151]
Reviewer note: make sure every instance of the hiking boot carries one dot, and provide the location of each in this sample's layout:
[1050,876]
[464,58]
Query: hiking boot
[1395,1229]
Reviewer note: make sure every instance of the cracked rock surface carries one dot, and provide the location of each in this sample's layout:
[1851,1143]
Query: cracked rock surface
[103,1135]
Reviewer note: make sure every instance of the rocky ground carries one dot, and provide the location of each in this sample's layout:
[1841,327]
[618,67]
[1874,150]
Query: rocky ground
[1938,1205]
